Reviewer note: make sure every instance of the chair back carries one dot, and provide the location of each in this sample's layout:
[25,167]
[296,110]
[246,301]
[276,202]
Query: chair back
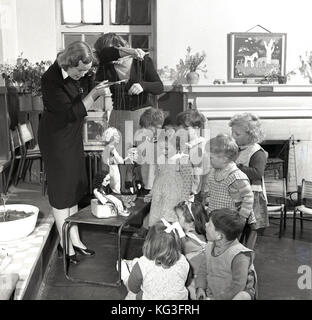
[15,141]
[26,134]
[276,189]
[306,193]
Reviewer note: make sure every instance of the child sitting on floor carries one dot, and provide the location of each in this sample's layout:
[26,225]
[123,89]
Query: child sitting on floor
[225,186]
[226,271]
[161,273]
[252,159]
[192,217]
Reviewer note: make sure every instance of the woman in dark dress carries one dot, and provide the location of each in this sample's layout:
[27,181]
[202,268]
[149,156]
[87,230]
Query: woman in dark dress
[68,93]
[140,81]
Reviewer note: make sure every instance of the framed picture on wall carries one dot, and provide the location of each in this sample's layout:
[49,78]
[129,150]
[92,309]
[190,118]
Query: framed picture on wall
[255,55]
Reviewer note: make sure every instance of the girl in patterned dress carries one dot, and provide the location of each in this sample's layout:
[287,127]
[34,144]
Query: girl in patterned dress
[226,186]
[162,271]
[252,159]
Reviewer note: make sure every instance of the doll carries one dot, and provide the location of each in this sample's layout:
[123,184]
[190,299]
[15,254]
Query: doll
[105,201]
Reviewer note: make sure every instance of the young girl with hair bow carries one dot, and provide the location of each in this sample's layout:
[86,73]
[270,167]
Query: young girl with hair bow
[192,217]
[162,271]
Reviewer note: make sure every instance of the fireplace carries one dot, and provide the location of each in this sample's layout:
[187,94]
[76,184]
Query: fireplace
[278,154]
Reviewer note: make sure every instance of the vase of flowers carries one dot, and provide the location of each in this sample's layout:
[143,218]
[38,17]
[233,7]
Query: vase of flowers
[191,65]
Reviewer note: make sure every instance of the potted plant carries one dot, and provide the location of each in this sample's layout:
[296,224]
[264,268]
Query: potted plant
[22,81]
[188,68]
[37,70]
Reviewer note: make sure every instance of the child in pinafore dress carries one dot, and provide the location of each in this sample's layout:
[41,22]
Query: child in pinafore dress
[252,159]
[226,186]
[162,271]
[145,139]
[226,270]
[189,123]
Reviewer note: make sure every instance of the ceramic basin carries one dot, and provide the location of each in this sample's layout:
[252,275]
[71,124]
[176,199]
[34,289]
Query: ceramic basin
[17,229]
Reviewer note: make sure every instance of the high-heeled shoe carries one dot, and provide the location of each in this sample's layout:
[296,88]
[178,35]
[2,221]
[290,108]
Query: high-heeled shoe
[70,258]
[85,252]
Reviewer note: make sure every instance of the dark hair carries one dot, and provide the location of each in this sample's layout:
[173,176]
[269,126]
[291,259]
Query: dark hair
[199,213]
[224,144]
[229,222]
[152,117]
[109,39]
[99,177]
[73,53]
[190,118]
[163,247]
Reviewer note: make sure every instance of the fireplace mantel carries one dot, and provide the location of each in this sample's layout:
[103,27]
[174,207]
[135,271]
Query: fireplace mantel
[267,101]
[285,111]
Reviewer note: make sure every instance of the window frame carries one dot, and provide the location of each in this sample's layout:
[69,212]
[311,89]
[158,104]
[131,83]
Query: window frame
[106,26]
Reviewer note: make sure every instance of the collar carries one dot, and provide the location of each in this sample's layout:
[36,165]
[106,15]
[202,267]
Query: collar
[222,174]
[245,147]
[64,74]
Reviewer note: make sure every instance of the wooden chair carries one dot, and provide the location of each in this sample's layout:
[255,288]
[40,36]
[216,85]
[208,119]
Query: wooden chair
[30,150]
[16,155]
[305,206]
[276,194]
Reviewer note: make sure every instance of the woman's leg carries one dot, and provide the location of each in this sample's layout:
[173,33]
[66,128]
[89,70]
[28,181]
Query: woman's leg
[74,232]
[59,216]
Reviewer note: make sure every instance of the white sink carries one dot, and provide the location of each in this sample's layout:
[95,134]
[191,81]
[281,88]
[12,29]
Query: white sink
[17,229]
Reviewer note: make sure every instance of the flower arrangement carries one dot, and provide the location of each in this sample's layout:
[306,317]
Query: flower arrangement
[191,63]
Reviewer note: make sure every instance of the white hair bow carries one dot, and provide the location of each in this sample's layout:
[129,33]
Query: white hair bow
[189,202]
[174,226]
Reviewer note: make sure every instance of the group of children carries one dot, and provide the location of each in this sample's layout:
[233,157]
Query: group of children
[208,203]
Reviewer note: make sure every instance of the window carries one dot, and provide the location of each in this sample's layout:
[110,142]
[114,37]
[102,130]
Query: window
[86,20]
[81,11]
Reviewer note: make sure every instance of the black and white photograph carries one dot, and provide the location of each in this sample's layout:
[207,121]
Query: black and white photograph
[155,154]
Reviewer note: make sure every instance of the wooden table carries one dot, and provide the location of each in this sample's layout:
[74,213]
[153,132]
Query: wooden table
[85,216]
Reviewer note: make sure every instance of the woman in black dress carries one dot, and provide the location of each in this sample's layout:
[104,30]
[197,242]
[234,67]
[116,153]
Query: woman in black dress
[140,81]
[68,92]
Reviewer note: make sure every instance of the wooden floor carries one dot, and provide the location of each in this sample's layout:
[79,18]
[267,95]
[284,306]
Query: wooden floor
[277,262]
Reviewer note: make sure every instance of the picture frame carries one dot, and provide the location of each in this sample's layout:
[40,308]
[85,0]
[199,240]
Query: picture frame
[255,55]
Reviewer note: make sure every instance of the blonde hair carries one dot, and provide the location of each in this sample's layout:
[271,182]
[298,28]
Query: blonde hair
[75,52]
[251,123]
[110,134]
[224,144]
